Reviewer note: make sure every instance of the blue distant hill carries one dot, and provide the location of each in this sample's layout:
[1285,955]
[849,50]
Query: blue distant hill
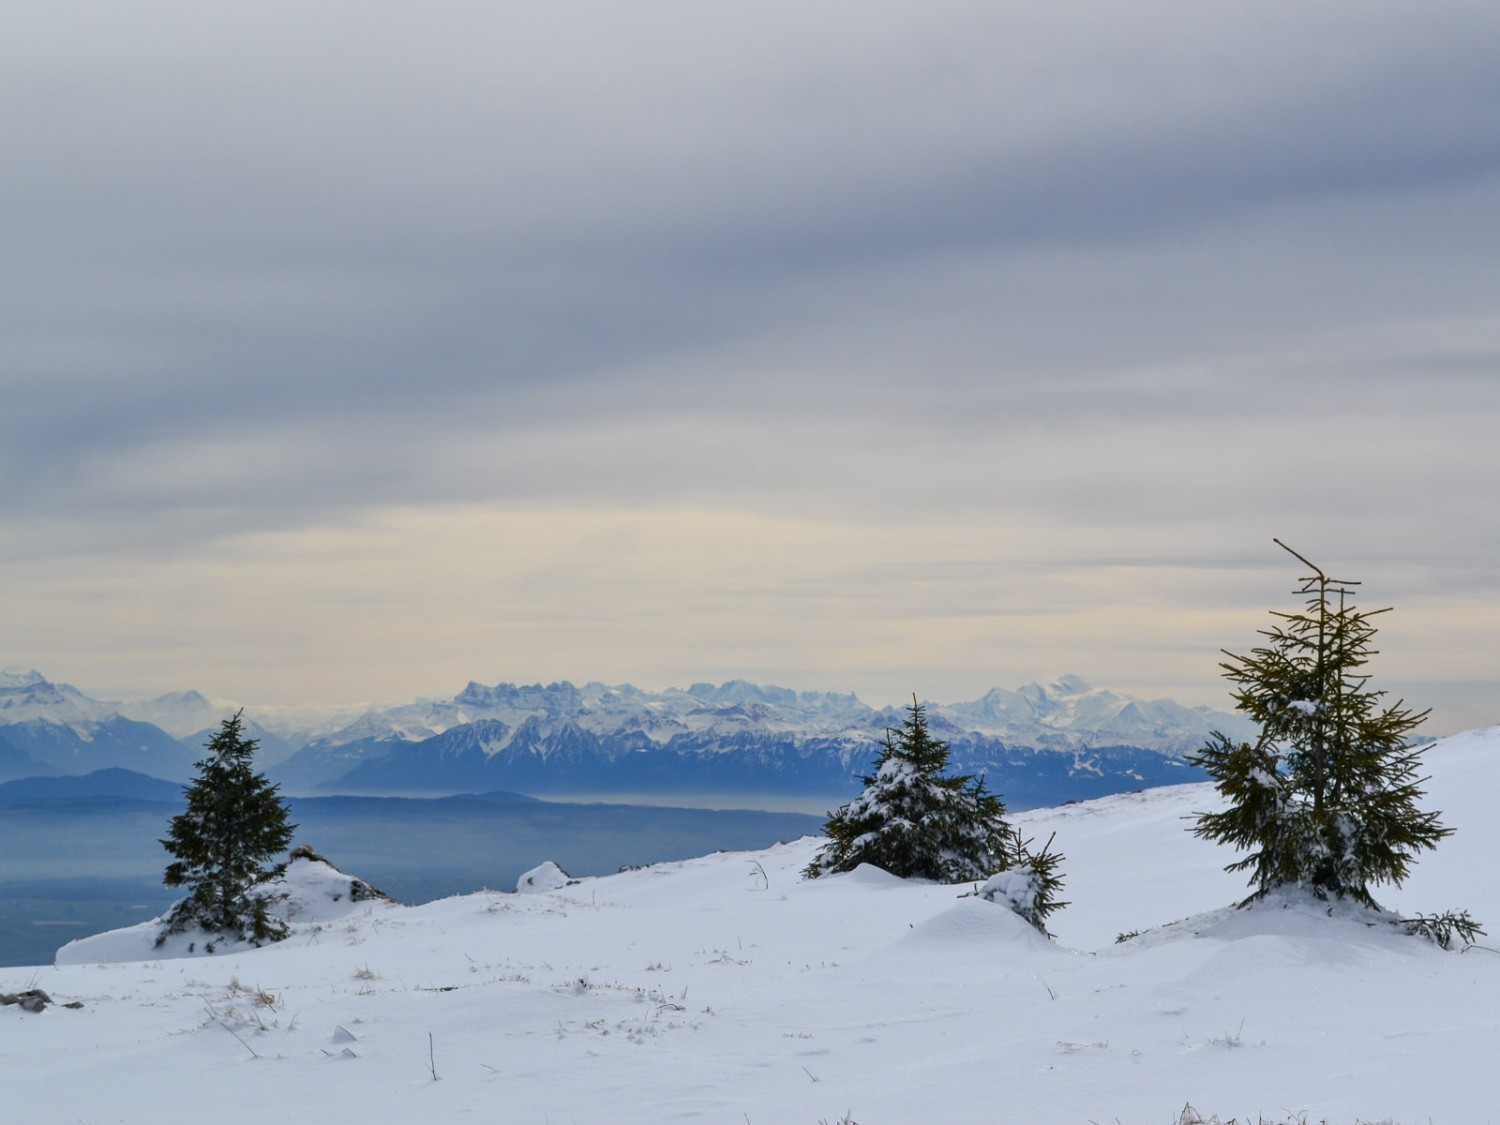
[101,786]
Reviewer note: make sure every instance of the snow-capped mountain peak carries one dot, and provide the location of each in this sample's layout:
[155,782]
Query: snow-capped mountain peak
[29,696]
[560,737]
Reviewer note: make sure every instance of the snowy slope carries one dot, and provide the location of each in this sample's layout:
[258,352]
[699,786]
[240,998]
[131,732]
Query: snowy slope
[727,989]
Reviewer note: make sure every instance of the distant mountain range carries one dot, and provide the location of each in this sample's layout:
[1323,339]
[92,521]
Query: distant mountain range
[1037,745]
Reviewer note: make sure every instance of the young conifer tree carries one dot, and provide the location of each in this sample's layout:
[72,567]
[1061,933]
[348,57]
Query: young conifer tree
[915,821]
[1326,796]
[235,824]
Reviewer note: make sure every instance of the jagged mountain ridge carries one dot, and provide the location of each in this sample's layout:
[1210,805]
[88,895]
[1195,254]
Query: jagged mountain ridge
[65,731]
[27,696]
[563,759]
[1039,743]
[1066,714]
[1054,742]
[61,730]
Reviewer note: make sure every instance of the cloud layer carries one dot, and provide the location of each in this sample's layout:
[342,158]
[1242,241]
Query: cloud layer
[850,346]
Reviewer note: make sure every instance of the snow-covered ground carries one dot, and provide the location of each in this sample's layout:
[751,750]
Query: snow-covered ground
[727,989]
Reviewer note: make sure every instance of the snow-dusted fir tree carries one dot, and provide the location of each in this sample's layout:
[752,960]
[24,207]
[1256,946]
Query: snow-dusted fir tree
[915,821]
[1326,796]
[235,824]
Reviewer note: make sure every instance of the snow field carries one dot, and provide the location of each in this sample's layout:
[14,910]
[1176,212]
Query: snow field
[727,989]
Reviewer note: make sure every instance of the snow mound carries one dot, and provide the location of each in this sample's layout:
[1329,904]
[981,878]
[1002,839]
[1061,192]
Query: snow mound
[317,891]
[310,894]
[1295,916]
[868,875]
[973,923]
[542,878]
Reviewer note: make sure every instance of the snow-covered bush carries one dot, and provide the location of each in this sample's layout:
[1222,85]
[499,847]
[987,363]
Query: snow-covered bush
[1030,887]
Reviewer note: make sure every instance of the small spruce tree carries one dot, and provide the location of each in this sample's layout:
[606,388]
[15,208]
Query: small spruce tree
[234,825]
[1326,796]
[915,821]
[1030,885]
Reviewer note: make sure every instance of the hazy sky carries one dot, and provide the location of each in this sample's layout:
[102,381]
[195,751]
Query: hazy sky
[353,351]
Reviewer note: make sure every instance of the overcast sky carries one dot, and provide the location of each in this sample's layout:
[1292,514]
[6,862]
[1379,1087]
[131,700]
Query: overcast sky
[353,351]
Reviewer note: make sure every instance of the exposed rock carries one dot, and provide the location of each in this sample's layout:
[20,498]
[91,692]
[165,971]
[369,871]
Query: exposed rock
[359,890]
[545,877]
[32,1000]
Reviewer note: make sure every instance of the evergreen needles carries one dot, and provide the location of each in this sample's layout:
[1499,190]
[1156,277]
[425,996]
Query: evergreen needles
[234,824]
[916,821]
[1326,796]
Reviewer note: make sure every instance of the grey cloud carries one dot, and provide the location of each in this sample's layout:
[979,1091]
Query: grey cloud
[373,252]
